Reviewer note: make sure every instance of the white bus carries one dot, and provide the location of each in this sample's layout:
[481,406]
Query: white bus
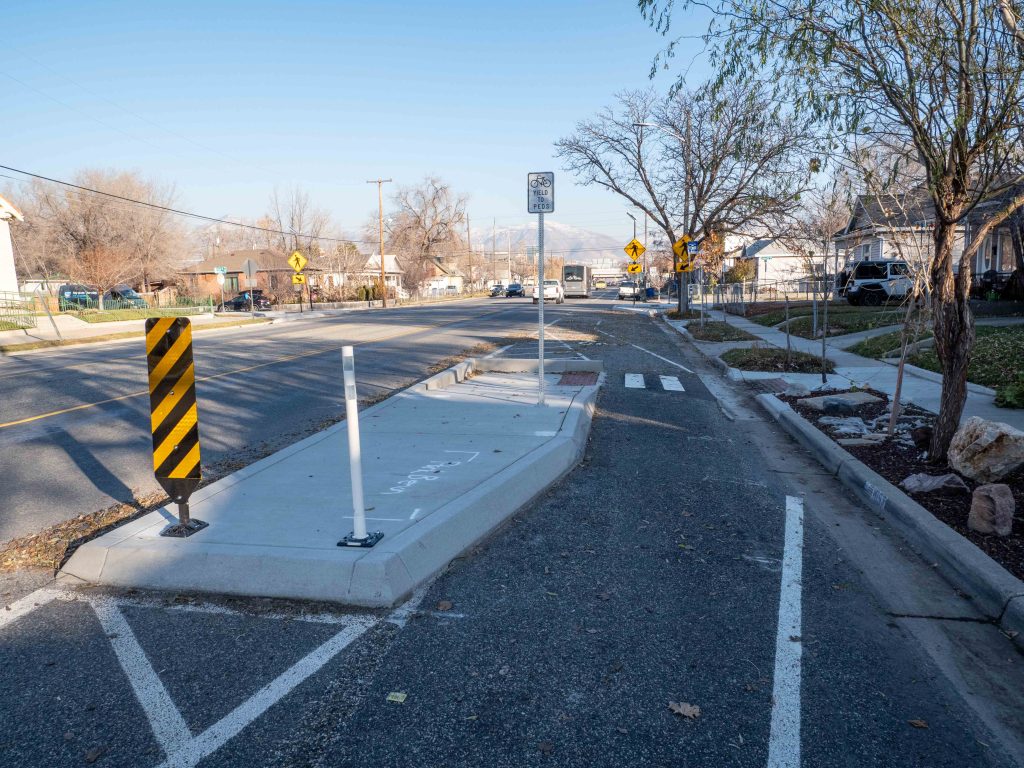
[576,280]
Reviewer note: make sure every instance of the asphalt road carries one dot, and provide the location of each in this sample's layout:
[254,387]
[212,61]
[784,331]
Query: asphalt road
[661,570]
[74,423]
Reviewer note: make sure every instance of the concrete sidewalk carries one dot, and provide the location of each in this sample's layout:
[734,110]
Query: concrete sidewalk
[444,463]
[922,389]
[73,328]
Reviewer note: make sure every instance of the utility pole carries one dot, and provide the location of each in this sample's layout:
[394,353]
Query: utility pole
[380,209]
[494,245]
[469,244]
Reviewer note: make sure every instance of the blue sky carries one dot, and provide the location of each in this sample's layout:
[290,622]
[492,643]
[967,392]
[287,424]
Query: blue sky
[228,99]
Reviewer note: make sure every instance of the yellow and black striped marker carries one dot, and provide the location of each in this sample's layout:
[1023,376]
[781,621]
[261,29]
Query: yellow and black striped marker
[175,418]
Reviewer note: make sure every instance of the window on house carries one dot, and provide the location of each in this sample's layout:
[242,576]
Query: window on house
[231,283]
[865,251]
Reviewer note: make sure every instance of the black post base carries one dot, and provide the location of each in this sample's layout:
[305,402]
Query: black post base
[183,530]
[372,538]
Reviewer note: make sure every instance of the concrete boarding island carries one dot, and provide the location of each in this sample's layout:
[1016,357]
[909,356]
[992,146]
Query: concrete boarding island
[444,464]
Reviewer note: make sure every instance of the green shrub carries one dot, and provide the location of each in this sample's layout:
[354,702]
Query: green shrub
[1011,395]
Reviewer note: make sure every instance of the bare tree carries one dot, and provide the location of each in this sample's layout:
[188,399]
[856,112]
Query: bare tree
[696,162]
[944,76]
[298,223]
[425,227]
[100,240]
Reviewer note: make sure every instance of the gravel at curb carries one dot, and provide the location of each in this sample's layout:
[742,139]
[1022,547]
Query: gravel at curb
[997,593]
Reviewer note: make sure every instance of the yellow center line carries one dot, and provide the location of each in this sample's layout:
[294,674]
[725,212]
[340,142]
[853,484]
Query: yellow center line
[275,361]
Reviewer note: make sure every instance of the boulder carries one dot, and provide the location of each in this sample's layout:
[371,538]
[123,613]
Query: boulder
[922,483]
[986,451]
[845,426]
[852,398]
[992,509]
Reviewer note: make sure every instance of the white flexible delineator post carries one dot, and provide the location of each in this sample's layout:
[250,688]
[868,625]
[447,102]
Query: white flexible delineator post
[359,536]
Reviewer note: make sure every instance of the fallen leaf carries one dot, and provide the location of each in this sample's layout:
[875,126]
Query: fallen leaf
[546,747]
[685,710]
[94,754]
[918,723]
[620,729]
[397,697]
[473,717]
[591,631]
[690,711]
[444,605]
[552,594]
[604,596]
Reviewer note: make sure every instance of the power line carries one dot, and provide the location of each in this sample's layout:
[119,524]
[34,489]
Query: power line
[179,212]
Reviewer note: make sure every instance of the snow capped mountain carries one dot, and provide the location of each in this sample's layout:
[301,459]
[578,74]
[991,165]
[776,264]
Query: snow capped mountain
[560,240]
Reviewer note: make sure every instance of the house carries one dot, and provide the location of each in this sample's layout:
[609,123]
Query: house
[273,273]
[370,273]
[442,280]
[901,228]
[8,277]
[775,261]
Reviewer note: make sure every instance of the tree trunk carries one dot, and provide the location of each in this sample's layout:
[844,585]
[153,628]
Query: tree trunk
[1014,290]
[953,326]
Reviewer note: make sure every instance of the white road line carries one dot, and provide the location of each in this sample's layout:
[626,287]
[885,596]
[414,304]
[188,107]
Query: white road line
[14,611]
[168,725]
[655,354]
[635,381]
[671,384]
[784,737]
[218,734]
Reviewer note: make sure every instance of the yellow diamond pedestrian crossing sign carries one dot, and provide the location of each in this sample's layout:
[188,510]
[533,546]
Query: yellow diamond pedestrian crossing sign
[297,261]
[634,249]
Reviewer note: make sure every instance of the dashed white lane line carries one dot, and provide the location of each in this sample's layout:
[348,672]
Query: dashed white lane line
[635,381]
[168,725]
[671,384]
[784,736]
[655,354]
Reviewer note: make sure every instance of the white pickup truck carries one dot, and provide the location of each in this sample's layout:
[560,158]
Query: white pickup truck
[553,291]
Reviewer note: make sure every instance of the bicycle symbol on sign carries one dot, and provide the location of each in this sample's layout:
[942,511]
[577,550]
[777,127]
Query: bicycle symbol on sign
[540,181]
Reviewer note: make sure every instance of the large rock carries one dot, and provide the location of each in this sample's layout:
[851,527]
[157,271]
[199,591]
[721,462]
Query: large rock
[848,399]
[992,510]
[922,483]
[986,451]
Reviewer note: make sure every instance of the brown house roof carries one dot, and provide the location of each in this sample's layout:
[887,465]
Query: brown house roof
[267,259]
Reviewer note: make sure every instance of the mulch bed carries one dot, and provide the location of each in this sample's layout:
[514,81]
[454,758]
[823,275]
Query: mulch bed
[895,461]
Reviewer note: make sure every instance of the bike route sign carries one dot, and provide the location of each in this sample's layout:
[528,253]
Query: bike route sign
[540,192]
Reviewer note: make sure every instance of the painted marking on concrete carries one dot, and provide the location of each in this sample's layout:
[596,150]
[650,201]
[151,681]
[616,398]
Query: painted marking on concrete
[405,611]
[414,513]
[429,472]
[784,736]
[877,495]
[14,611]
[655,354]
[671,384]
[472,454]
[635,381]
[544,433]
[218,734]
[168,725]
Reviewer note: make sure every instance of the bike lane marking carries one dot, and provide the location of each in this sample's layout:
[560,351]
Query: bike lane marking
[784,736]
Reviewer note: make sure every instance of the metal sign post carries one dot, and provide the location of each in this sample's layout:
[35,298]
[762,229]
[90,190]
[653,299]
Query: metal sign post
[250,268]
[174,418]
[540,199]
[359,536]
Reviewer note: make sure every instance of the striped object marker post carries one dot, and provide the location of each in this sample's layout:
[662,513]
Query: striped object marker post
[174,416]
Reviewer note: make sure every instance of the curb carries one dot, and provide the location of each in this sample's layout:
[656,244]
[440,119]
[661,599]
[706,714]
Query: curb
[997,593]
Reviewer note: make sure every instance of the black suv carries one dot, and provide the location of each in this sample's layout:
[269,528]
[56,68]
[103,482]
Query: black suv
[515,289]
[241,302]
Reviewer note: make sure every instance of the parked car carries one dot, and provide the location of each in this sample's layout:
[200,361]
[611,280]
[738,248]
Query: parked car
[872,283]
[240,303]
[497,290]
[76,296]
[600,284]
[515,289]
[124,297]
[553,291]
[628,289]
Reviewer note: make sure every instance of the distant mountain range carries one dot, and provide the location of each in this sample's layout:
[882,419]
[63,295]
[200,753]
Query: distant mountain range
[560,240]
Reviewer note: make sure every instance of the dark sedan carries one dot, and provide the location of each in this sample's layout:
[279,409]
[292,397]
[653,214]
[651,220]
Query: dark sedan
[241,302]
[514,290]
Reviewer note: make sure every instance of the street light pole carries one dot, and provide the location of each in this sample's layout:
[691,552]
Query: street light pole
[380,210]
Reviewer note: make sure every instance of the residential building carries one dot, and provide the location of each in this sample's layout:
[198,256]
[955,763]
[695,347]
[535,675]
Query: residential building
[273,273]
[8,277]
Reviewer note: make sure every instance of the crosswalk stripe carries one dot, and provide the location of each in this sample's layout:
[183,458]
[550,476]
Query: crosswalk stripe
[635,381]
[671,384]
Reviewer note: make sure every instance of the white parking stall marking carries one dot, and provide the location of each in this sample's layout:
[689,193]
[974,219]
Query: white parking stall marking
[635,381]
[14,611]
[671,384]
[168,725]
[784,736]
